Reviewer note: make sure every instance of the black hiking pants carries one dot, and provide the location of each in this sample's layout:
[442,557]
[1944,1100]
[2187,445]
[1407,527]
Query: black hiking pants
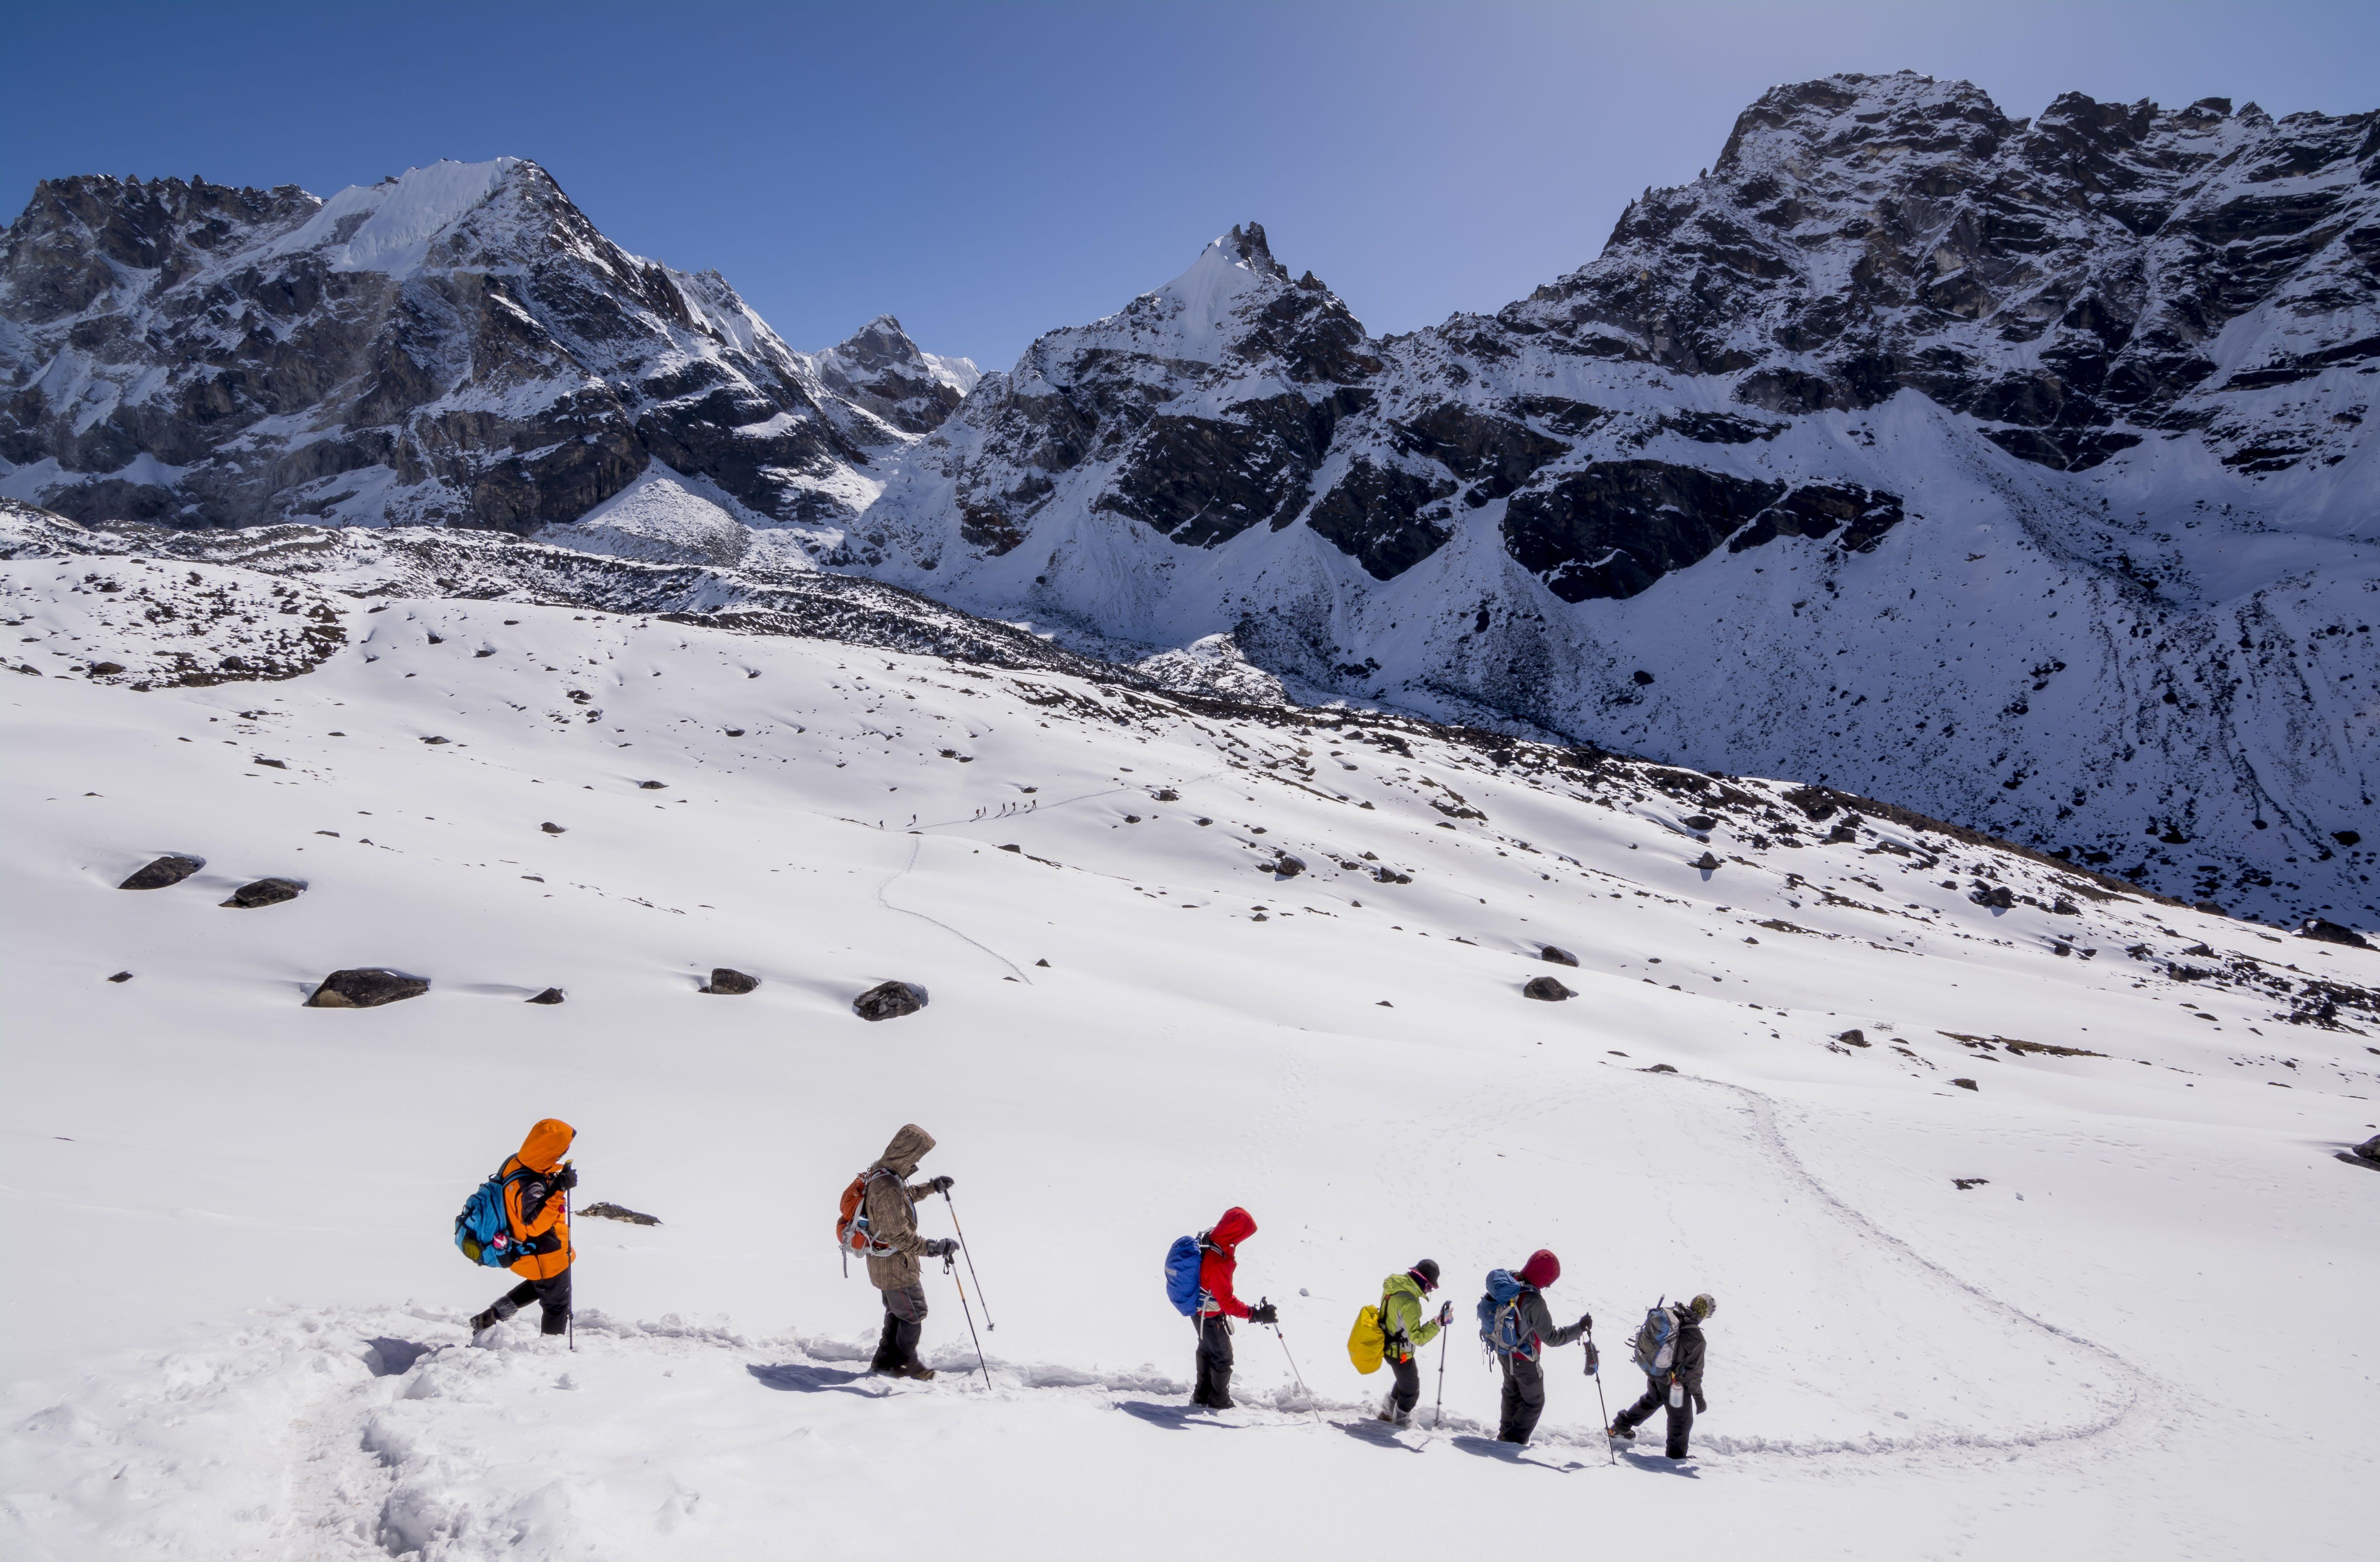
[1407,1393]
[552,1297]
[1214,1387]
[905,1324]
[1525,1398]
[1657,1397]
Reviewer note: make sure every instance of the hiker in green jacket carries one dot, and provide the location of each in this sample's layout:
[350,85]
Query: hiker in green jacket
[1406,1329]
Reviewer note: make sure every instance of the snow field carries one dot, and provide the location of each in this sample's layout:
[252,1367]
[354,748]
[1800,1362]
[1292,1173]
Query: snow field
[221,1200]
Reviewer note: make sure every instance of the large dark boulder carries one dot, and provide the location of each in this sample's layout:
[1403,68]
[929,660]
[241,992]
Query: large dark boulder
[730,983]
[366,988]
[888,1000]
[264,892]
[1546,989]
[1554,954]
[164,872]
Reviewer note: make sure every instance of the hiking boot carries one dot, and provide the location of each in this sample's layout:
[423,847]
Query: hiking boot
[917,1370]
[1622,1433]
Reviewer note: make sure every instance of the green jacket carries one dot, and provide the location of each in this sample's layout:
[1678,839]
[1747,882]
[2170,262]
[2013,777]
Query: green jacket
[1402,1314]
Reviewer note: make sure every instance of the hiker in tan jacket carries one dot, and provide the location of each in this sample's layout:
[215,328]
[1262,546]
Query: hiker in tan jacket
[894,1248]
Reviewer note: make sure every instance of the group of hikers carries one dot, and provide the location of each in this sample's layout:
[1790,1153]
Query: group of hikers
[520,1220]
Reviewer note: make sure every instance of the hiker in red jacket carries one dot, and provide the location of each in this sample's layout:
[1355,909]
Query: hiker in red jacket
[1217,1258]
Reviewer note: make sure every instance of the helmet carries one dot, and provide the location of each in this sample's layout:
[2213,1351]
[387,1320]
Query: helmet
[1702,1306]
[1426,1273]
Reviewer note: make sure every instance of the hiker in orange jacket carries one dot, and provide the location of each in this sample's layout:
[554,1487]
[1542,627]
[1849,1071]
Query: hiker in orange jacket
[534,1183]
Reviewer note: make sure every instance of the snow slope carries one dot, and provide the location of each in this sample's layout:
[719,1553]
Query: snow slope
[234,1325]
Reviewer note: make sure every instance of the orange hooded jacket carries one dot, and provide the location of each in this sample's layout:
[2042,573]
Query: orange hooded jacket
[539,1221]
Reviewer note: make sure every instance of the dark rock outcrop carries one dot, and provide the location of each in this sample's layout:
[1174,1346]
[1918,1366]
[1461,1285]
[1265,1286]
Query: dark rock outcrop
[367,988]
[1553,955]
[888,1000]
[2324,932]
[264,892]
[1546,989]
[730,983]
[164,872]
[551,995]
[599,1210]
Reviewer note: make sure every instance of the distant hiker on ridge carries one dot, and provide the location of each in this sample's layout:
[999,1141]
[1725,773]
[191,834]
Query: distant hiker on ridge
[885,1229]
[1516,1325]
[534,1182]
[1669,1350]
[1218,1263]
[1405,1330]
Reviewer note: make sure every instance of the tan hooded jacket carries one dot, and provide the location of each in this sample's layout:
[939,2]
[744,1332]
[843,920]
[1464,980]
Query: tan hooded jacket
[892,1209]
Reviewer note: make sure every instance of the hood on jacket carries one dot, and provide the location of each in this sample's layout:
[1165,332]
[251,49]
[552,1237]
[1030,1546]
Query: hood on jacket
[908,1147]
[1404,1282]
[1542,1270]
[546,1144]
[1236,1226]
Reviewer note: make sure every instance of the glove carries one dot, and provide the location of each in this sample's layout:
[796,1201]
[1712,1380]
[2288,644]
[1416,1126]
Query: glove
[1702,1406]
[942,1247]
[1586,1322]
[1267,1313]
[941,1184]
[565,1179]
[1445,1314]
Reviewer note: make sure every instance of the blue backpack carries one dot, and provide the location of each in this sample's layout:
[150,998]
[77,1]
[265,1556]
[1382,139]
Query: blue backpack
[1182,1287]
[483,1230]
[1656,1346]
[1499,1313]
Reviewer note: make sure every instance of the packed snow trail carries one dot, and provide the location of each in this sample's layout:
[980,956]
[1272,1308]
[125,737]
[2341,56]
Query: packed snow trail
[216,1195]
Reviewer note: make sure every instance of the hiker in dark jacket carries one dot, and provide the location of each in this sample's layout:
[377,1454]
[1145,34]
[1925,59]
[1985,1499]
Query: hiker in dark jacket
[894,1248]
[535,1183]
[1219,1262]
[1405,1327]
[1525,1380]
[1685,1374]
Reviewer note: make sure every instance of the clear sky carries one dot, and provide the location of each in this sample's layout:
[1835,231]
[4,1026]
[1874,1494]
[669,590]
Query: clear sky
[989,171]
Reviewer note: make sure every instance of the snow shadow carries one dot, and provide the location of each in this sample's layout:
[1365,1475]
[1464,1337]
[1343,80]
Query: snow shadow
[1510,1453]
[393,1357]
[1658,1464]
[794,1378]
[1175,1418]
[2355,1160]
[1376,1433]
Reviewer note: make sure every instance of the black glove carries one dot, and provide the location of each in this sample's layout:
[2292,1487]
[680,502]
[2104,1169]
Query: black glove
[1265,1314]
[565,1179]
[1586,1322]
[1702,1406]
[942,1247]
[941,1184]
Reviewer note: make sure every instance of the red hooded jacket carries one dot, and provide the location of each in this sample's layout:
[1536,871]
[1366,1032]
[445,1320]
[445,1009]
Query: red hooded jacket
[1220,1259]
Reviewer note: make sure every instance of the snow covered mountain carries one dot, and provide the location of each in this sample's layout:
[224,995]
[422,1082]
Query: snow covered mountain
[2004,1177]
[2022,472]
[457,345]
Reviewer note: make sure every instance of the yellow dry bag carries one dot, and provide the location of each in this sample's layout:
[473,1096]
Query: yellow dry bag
[1365,1343]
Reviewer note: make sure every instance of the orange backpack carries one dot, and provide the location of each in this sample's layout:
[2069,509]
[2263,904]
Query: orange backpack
[850,1233]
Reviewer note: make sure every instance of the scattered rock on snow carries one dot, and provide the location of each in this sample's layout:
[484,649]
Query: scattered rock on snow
[121,976]
[602,1211]
[1553,955]
[1967,1084]
[1285,866]
[1660,1069]
[264,892]
[167,869]
[1546,989]
[1853,1038]
[367,988]
[2369,1148]
[1999,898]
[730,983]
[2317,929]
[106,669]
[1963,1183]
[652,785]
[551,828]
[888,1000]
[551,995]
[1706,862]
[435,740]
[271,764]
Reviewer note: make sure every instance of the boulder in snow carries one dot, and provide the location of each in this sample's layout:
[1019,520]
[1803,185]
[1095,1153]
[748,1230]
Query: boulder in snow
[2316,929]
[1853,1038]
[730,983]
[1967,1084]
[264,892]
[551,828]
[1553,955]
[366,988]
[2369,1149]
[1706,862]
[165,871]
[1547,989]
[551,995]
[888,1000]
[602,1210]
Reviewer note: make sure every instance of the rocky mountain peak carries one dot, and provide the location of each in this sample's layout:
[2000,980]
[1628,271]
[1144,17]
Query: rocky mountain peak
[880,368]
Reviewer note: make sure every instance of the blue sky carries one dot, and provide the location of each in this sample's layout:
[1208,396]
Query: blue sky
[986,171]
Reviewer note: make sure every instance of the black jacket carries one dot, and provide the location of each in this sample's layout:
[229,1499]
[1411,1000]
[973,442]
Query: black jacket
[1538,1330]
[1688,1362]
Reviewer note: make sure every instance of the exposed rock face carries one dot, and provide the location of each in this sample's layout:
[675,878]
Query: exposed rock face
[165,872]
[883,372]
[457,345]
[2020,471]
[365,989]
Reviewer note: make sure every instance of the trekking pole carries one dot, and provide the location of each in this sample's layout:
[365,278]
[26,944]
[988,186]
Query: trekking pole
[1276,1334]
[1439,1419]
[970,1258]
[570,1319]
[1602,1403]
[952,1269]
